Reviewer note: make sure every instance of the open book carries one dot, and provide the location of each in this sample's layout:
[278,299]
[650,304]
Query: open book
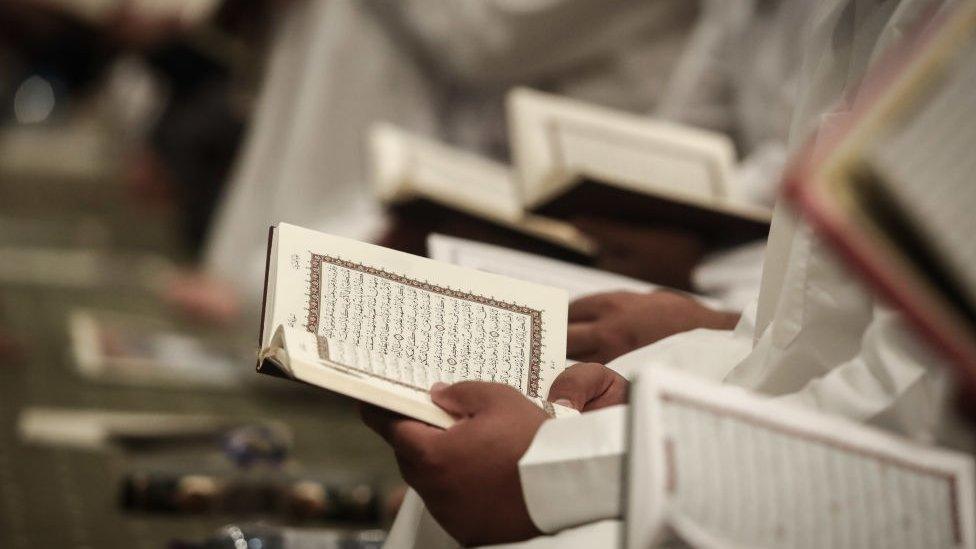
[722,467]
[407,168]
[894,188]
[97,429]
[577,280]
[382,326]
[126,349]
[571,156]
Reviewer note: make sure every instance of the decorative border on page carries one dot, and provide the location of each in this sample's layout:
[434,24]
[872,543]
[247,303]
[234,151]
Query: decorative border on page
[535,316]
[950,478]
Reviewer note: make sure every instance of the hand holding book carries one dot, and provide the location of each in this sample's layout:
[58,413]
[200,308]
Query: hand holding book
[468,474]
[383,326]
[589,386]
[605,326]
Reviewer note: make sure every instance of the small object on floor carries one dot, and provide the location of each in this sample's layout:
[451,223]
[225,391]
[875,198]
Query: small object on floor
[233,536]
[280,496]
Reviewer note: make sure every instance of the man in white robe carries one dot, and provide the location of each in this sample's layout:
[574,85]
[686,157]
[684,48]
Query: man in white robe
[814,338]
[436,67]
[739,76]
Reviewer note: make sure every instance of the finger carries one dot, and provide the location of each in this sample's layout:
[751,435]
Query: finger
[588,308]
[405,435]
[467,398]
[581,339]
[378,419]
[579,384]
[412,439]
[616,392]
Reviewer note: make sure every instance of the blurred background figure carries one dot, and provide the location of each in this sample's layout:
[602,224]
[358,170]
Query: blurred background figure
[438,68]
[738,74]
[118,124]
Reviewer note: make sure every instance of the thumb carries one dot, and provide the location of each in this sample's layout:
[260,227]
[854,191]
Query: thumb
[579,384]
[466,398]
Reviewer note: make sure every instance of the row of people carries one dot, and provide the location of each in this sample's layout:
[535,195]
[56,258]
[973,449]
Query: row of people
[813,338]
[773,74]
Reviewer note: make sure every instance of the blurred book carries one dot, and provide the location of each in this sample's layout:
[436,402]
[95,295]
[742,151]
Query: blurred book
[432,186]
[573,158]
[97,11]
[73,268]
[126,349]
[723,467]
[893,187]
[99,429]
[577,280]
[54,231]
[82,147]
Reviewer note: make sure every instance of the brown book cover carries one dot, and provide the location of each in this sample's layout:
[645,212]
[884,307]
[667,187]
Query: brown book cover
[413,221]
[594,199]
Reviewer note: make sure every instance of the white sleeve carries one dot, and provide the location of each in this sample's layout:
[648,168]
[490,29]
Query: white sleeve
[893,382]
[707,353]
[699,89]
[571,474]
[513,41]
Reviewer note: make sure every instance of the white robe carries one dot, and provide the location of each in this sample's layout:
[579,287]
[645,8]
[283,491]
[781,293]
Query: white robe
[815,336]
[436,67]
[333,72]
[739,76]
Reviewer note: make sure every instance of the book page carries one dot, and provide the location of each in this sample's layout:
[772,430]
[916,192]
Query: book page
[578,281]
[411,321]
[556,140]
[923,156]
[406,165]
[118,348]
[618,158]
[469,183]
[741,471]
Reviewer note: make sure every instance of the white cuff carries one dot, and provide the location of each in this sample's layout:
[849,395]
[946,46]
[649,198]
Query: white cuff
[571,474]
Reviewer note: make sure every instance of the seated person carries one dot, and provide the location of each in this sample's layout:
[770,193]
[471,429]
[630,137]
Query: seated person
[814,338]
[435,68]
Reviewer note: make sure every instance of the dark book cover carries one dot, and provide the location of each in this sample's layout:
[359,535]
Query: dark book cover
[595,200]
[415,220]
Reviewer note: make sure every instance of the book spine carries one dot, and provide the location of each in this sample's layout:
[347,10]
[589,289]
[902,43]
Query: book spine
[270,366]
[264,298]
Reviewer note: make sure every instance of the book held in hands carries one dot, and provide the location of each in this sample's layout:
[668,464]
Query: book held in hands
[720,466]
[571,160]
[382,326]
[892,188]
[433,187]
[574,158]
